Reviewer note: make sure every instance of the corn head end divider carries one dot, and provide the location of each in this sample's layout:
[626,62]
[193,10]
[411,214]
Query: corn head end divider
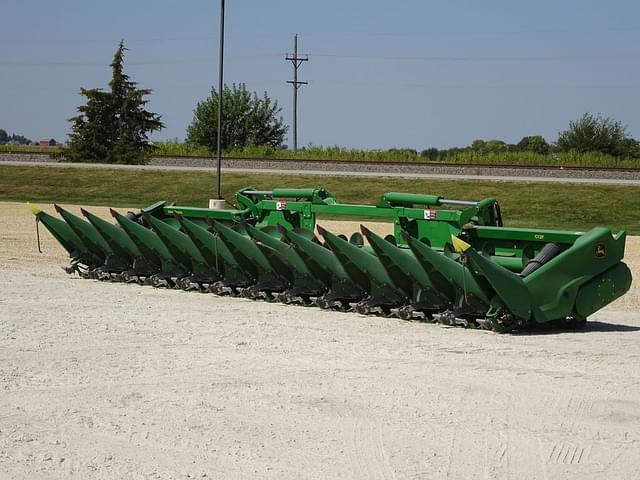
[447,261]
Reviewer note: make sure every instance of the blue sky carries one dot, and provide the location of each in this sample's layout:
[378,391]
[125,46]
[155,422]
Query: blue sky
[381,74]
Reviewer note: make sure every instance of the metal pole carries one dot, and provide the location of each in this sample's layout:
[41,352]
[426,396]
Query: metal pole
[220,88]
[295,95]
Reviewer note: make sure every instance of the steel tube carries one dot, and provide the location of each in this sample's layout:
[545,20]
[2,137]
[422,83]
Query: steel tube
[257,192]
[458,202]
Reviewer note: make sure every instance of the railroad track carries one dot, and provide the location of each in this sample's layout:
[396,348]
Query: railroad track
[417,169]
[551,173]
[408,164]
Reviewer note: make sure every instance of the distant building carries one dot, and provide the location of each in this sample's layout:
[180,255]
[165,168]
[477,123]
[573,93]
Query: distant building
[47,143]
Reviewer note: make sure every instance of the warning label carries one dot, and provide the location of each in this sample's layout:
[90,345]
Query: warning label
[430,214]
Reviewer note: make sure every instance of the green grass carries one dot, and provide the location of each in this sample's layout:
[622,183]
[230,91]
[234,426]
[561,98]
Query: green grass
[468,157]
[29,149]
[541,205]
[177,149]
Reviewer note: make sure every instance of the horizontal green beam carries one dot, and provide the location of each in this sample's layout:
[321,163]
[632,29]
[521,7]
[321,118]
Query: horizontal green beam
[352,210]
[195,212]
[526,234]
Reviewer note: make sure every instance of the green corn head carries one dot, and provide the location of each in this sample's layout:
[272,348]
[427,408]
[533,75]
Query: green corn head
[450,261]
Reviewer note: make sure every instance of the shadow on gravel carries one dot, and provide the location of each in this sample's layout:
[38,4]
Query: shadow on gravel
[596,326]
[591,326]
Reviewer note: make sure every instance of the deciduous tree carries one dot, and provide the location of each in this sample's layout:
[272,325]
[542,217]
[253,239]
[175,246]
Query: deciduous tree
[248,120]
[595,133]
[534,143]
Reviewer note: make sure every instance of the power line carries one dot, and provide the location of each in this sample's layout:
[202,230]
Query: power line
[178,61]
[319,33]
[559,58]
[296,61]
[168,61]
[459,33]
[482,86]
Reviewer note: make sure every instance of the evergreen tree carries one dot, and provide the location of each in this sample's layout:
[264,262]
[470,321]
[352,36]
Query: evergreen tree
[113,126]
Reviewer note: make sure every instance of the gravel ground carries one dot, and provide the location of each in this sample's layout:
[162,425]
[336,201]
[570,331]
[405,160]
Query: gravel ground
[112,381]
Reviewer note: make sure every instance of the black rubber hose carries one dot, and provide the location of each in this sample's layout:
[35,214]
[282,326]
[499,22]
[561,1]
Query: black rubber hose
[549,251]
[498,212]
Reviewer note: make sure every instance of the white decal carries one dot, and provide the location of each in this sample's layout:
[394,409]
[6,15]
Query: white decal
[430,214]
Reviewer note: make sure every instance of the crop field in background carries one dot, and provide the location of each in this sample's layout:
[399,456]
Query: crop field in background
[29,149]
[590,159]
[542,205]
[575,159]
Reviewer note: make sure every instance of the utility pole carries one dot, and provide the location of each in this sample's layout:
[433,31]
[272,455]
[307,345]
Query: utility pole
[296,61]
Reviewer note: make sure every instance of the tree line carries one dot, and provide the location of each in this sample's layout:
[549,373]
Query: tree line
[113,126]
[13,139]
[589,133]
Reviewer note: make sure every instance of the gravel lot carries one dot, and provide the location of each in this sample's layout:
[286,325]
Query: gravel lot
[114,381]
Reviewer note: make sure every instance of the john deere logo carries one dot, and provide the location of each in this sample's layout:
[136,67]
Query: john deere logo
[601,250]
[538,236]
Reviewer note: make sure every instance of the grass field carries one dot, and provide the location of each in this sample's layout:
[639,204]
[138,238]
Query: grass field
[543,205]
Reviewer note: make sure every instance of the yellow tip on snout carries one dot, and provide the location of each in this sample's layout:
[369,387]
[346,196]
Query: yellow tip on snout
[459,246]
[35,210]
